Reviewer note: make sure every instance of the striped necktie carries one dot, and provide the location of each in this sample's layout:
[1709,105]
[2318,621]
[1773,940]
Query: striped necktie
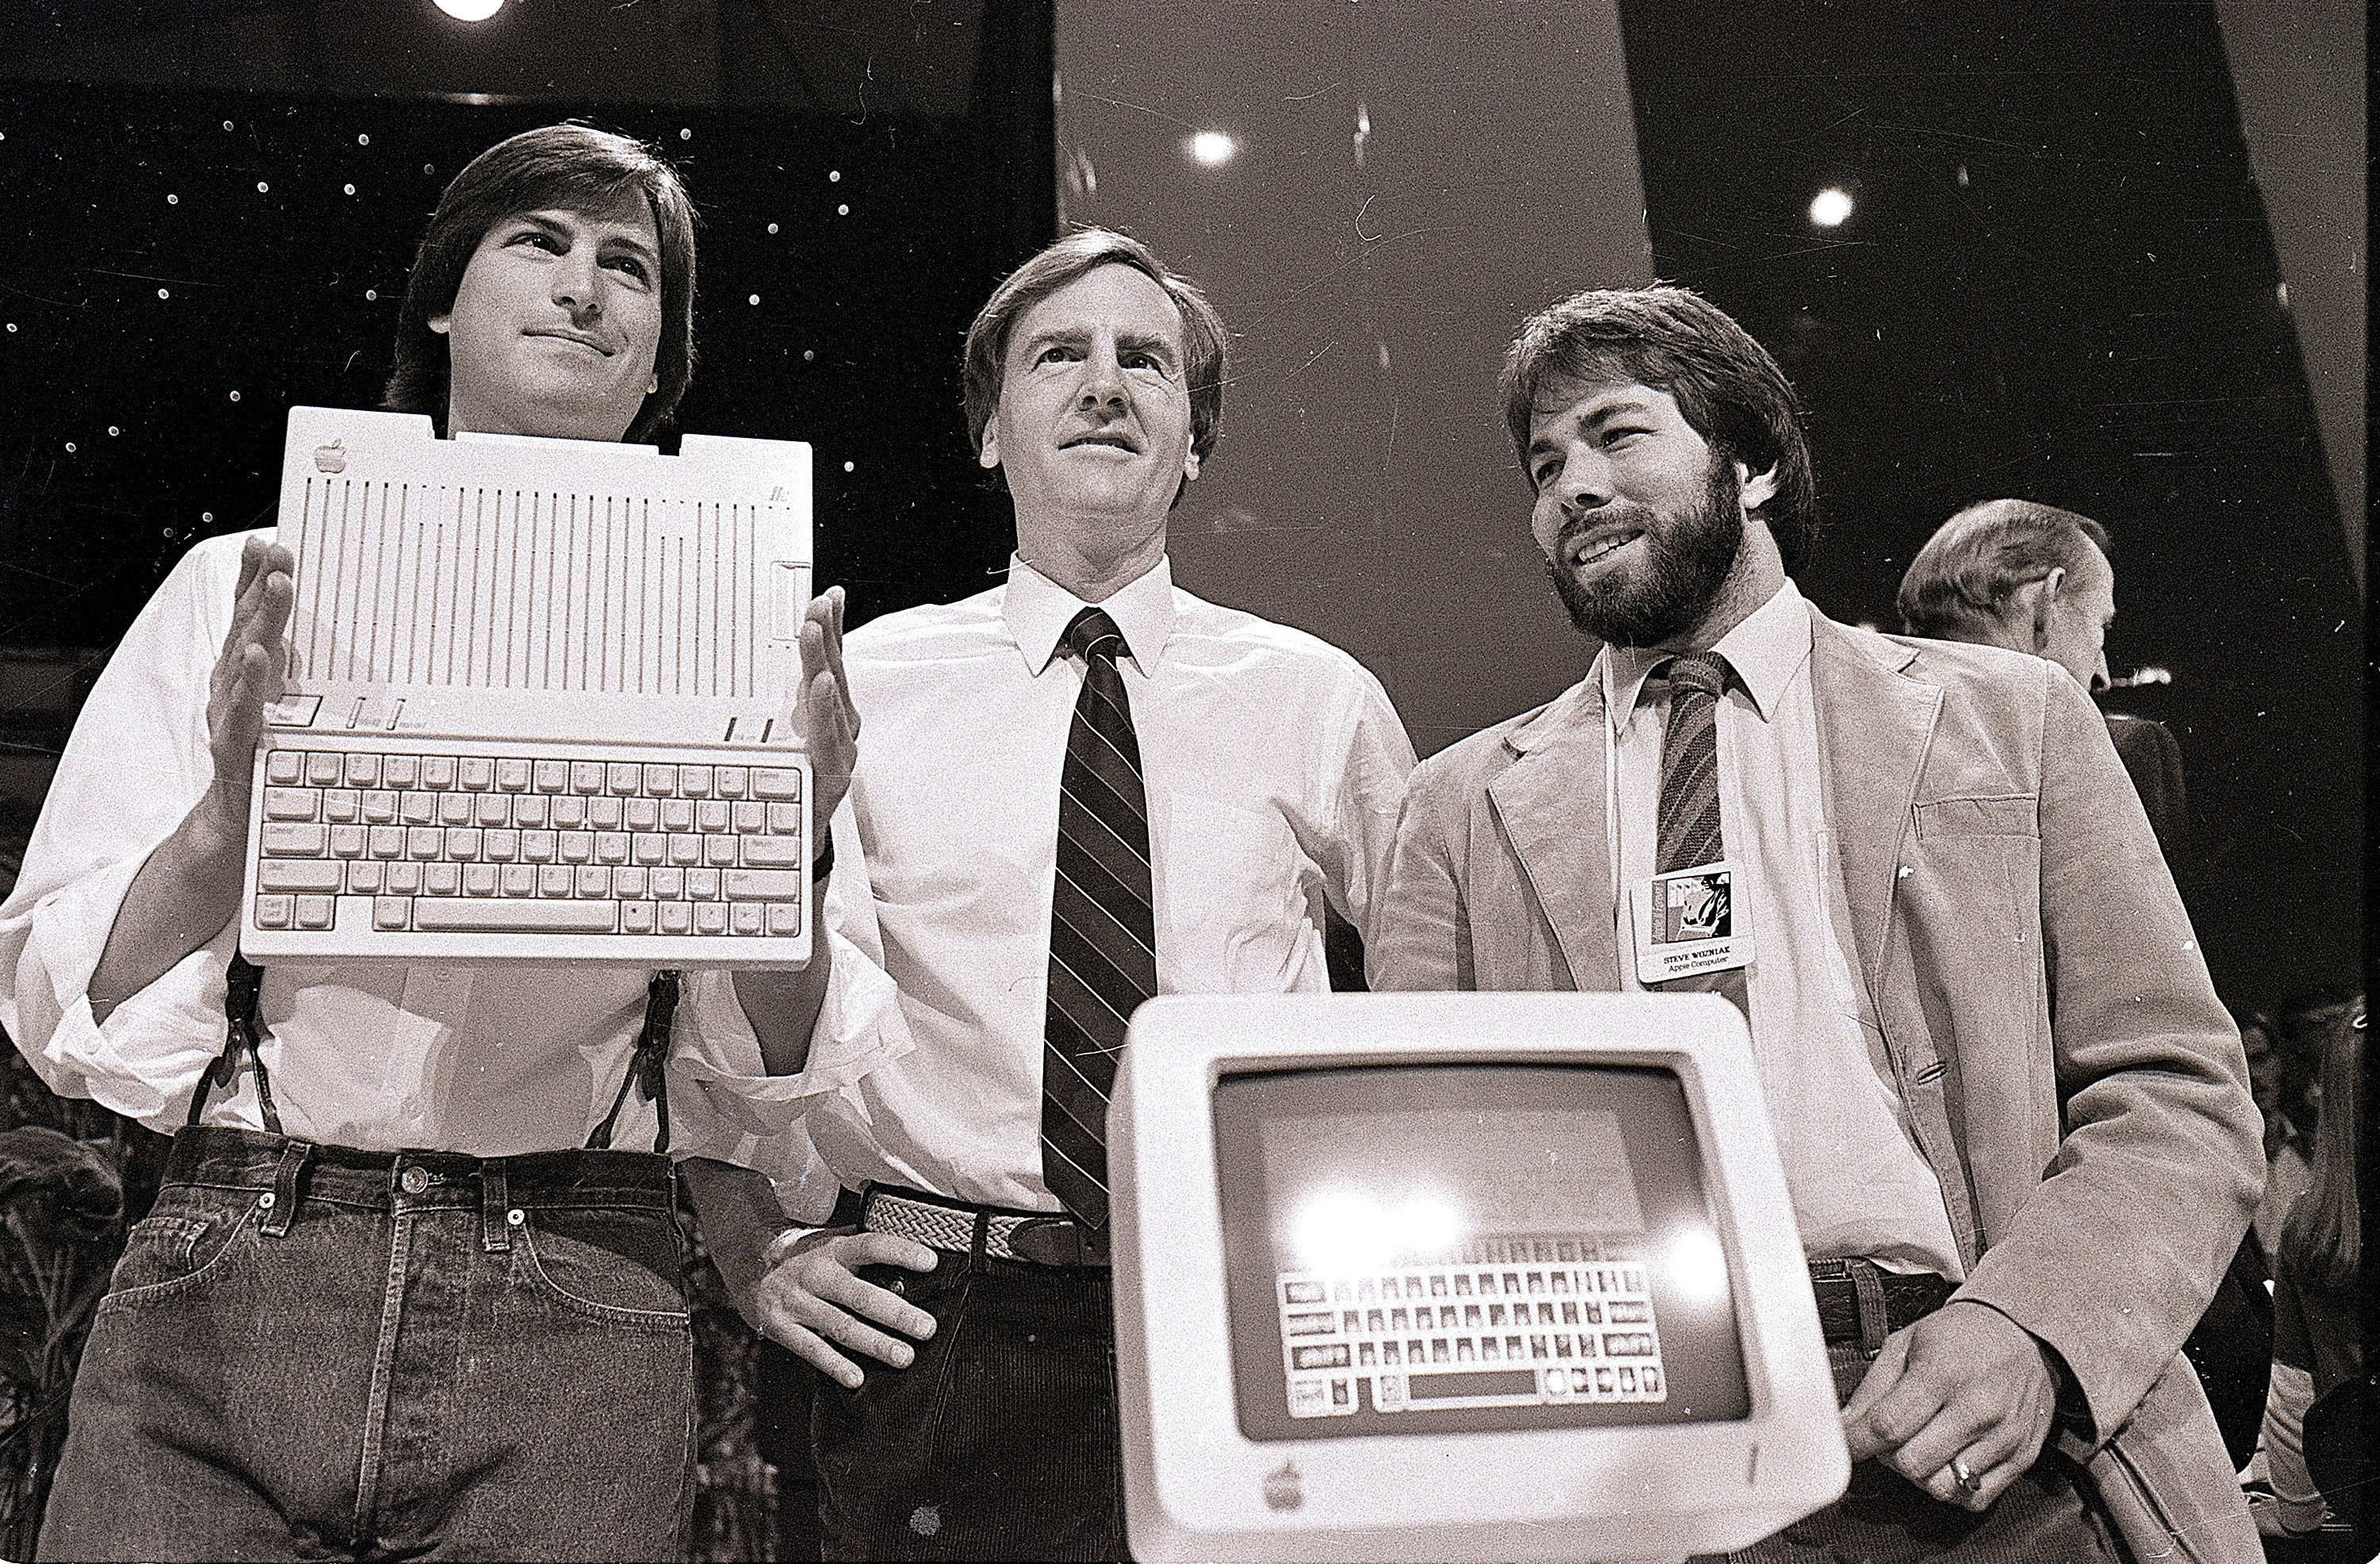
[1102,924]
[1689,833]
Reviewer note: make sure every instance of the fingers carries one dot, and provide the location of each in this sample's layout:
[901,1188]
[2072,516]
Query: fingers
[813,1303]
[1957,1404]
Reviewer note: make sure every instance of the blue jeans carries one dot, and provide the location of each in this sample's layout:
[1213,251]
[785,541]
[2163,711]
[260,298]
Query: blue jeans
[313,1352]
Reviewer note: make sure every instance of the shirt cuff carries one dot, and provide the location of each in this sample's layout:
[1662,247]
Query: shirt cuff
[859,1028]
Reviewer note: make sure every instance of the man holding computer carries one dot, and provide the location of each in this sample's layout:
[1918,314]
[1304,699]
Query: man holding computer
[1079,788]
[2012,1116]
[403,1247]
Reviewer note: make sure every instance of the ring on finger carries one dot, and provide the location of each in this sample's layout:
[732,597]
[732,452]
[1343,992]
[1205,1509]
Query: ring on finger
[1965,1475]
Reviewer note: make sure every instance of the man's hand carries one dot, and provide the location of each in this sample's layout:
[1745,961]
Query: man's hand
[1965,1384]
[812,1303]
[830,722]
[248,675]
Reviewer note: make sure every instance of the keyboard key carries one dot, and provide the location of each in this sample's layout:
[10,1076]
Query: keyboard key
[379,807]
[519,879]
[603,814]
[702,885]
[401,771]
[685,849]
[517,917]
[693,781]
[441,879]
[274,911]
[314,912]
[772,852]
[628,885]
[709,918]
[661,781]
[363,771]
[537,847]
[454,809]
[594,880]
[577,847]
[784,819]
[677,814]
[346,841]
[424,842]
[569,814]
[776,782]
[512,776]
[669,885]
[418,809]
[475,774]
[554,879]
[365,878]
[727,781]
[586,776]
[712,818]
[502,846]
[462,845]
[438,772]
[392,911]
[494,809]
[610,847]
[719,851]
[766,884]
[640,814]
[323,768]
[291,804]
[530,811]
[625,776]
[746,919]
[286,839]
[651,848]
[552,775]
[284,768]
[751,817]
[405,878]
[636,917]
[342,804]
[478,879]
[300,874]
[677,917]
[786,918]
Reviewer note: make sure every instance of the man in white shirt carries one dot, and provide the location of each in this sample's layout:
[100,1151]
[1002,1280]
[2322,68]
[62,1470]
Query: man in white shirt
[396,1258]
[1258,772]
[2012,1116]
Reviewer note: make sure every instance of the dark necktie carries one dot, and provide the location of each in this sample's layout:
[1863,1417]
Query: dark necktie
[1689,833]
[1103,925]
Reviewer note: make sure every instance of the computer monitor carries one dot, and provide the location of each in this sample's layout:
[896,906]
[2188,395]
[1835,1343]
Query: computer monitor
[1458,1276]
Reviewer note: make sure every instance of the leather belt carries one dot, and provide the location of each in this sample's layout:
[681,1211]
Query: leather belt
[1036,1238]
[1907,1299]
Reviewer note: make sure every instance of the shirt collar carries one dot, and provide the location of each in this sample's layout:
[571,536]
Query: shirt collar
[1038,611]
[1766,651]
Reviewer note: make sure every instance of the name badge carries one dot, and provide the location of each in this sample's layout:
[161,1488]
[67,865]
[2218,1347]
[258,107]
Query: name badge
[1688,922]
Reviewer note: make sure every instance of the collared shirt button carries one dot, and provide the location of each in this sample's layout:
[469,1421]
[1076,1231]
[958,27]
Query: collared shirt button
[414,1179]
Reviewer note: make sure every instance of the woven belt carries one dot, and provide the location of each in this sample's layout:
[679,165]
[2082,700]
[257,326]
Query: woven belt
[1907,1299]
[1053,1239]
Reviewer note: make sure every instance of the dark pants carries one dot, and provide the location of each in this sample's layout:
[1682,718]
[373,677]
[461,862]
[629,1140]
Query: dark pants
[1000,1440]
[312,1352]
[2047,1515]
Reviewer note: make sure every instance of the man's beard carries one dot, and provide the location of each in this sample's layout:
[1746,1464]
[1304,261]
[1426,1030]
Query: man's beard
[1687,559]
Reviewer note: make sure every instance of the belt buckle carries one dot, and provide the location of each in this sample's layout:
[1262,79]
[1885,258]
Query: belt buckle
[1057,1241]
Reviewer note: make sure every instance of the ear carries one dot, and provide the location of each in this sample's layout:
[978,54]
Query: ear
[989,457]
[1756,488]
[2031,604]
[440,323]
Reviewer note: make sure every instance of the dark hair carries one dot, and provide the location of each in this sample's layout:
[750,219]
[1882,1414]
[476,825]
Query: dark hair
[572,166]
[1205,345]
[1959,586]
[2322,1237]
[1674,340]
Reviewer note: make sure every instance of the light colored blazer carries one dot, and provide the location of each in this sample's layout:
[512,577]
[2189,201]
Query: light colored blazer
[2048,1017]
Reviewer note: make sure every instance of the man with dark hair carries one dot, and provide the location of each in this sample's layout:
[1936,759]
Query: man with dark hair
[399,1296]
[1082,786]
[2013,1118]
[2035,578]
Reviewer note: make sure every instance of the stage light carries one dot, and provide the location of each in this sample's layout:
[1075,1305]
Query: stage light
[1829,207]
[1212,148]
[471,10]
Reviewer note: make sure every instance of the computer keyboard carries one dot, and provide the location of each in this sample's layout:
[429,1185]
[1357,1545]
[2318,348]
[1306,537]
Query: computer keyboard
[451,851]
[1538,1321]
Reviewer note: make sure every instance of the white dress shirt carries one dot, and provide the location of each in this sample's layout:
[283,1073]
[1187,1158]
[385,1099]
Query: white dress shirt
[494,1061]
[1274,767]
[1858,1183]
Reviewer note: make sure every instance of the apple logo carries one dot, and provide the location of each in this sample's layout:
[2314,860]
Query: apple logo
[1284,1489]
[332,457]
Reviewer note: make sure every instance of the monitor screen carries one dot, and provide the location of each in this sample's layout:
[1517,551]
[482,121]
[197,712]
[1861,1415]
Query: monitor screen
[1442,1249]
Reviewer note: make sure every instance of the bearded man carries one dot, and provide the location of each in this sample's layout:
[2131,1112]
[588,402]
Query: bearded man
[2012,1116]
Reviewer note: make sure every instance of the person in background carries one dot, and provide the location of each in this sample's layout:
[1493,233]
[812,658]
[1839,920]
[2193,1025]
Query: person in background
[404,1294]
[2031,577]
[2317,1292]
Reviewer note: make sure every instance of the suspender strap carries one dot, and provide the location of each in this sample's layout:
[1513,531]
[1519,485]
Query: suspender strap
[243,981]
[648,1065]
